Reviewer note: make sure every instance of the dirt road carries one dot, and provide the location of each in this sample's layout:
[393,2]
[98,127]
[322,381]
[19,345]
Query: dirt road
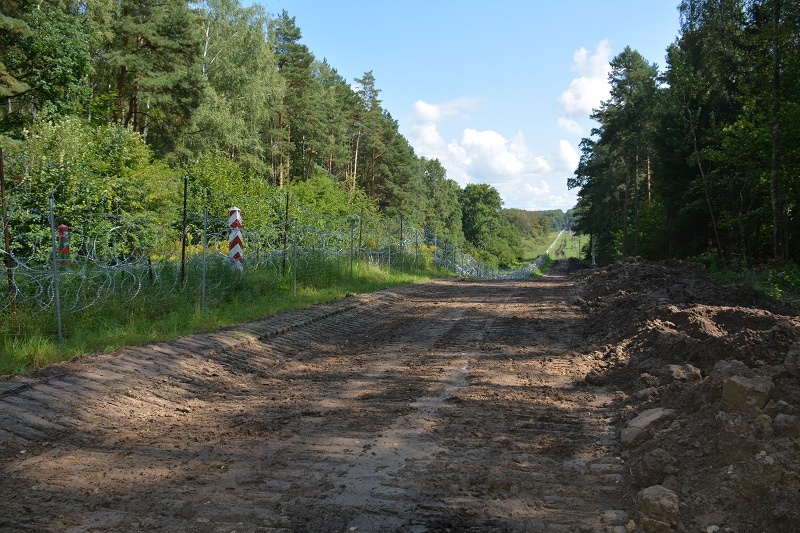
[449,406]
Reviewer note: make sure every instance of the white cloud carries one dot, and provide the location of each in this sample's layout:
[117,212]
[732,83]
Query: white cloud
[570,126]
[425,112]
[591,86]
[567,157]
[595,65]
[523,179]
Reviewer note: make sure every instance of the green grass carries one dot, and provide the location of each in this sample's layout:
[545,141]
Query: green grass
[544,268]
[32,343]
[535,248]
[574,242]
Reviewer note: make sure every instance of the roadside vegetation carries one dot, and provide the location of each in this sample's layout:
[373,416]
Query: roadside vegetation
[110,326]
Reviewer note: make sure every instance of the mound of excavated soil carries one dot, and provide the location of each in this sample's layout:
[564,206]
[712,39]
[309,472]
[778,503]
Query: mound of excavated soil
[708,377]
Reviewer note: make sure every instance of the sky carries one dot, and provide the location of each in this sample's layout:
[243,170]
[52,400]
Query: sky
[500,92]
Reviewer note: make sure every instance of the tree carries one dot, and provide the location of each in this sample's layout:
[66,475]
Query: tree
[442,211]
[14,29]
[297,111]
[369,132]
[613,160]
[243,85]
[44,61]
[627,125]
[481,207]
[773,29]
[338,104]
[155,62]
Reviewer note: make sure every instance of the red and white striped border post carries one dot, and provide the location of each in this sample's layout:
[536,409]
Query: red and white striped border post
[63,246]
[235,248]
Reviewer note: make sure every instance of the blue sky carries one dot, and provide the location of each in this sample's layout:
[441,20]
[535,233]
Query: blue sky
[500,92]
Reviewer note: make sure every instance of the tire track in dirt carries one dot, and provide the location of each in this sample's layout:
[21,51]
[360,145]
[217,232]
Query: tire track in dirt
[448,406]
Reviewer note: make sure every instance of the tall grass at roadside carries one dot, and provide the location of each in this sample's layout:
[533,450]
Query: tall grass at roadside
[153,316]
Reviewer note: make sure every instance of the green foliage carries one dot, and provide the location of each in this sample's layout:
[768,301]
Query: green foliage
[442,214]
[505,248]
[14,30]
[720,173]
[154,317]
[535,224]
[57,57]
[481,207]
[243,86]
[104,183]
[154,65]
[322,195]
[44,61]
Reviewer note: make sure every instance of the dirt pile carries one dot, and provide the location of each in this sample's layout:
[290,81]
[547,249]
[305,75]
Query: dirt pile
[709,385]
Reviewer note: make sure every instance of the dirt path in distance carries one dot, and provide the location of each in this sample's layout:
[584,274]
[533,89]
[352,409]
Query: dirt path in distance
[456,405]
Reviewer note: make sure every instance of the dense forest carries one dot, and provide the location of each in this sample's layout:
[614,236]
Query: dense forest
[703,159]
[108,106]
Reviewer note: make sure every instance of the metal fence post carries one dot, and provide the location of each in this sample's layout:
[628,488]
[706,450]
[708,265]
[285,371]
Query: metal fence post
[285,235]
[9,263]
[416,251]
[183,230]
[294,260]
[56,290]
[205,251]
[360,230]
[352,237]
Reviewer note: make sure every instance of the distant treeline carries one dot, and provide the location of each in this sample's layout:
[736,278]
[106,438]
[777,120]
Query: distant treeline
[536,224]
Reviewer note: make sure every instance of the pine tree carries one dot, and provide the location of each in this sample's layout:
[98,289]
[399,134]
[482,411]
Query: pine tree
[156,69]
[297,110]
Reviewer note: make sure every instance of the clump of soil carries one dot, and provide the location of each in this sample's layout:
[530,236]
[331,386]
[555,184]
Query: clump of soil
[708,377]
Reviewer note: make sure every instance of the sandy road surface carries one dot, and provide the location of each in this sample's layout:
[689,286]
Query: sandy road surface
[450,406]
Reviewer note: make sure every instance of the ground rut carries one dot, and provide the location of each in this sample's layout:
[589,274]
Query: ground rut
[451,406]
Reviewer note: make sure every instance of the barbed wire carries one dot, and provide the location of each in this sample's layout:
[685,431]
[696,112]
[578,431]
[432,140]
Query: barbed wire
[125,256]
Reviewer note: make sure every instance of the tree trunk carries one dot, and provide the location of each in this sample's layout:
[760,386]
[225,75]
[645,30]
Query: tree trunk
[145,120]
[636,205]
[372,174]
[775,132]
[703,176]
[625,212]
[119,113]
[281,157]
[355,164]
